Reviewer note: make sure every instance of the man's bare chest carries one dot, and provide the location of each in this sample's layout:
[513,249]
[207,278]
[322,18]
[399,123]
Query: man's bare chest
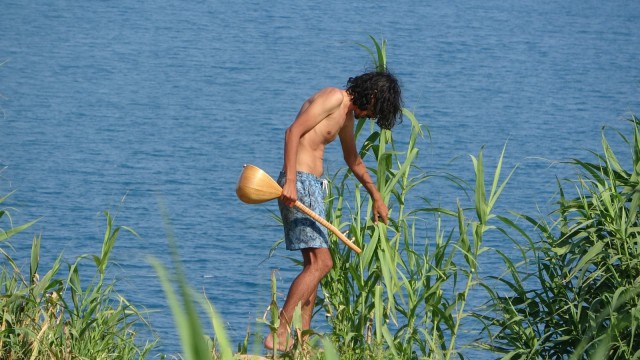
[328,129]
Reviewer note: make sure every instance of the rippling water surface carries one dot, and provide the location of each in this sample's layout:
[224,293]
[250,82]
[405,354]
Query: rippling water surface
[151,106]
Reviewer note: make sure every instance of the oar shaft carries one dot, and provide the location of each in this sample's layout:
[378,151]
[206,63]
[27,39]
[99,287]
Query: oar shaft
[329,226]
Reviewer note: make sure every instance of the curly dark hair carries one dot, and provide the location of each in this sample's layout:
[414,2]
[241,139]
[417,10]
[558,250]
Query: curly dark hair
[377,92]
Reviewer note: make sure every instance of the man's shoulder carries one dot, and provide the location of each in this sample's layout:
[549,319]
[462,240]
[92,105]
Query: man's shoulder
[331,96]
[330,93]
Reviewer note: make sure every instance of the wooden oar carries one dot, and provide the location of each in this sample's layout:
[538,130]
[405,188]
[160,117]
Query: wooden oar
[256,186]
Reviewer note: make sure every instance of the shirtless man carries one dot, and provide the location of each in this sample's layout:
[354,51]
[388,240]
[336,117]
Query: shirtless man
[329,113]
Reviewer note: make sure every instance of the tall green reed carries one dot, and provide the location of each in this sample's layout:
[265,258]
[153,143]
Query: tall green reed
[575,293]
[195,344]
[59,316]
[405,296]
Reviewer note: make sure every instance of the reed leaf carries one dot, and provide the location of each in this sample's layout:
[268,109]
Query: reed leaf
[6,234]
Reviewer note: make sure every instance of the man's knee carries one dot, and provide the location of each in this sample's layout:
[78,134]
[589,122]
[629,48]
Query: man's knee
[326,266]
[325,262]
[320,260]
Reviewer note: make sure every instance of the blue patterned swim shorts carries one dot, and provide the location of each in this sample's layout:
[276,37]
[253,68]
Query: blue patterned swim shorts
[301,231]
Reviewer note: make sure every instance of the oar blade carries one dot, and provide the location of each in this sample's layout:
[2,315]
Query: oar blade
[256,186]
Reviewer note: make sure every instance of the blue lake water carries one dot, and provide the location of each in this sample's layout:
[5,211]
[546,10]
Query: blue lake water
[136,107]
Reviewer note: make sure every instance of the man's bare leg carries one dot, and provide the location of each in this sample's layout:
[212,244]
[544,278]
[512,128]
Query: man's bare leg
[307,310]
[316,264]
[309,305]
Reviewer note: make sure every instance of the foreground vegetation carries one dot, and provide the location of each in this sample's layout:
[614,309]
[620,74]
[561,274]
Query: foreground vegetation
[574,293]
[58,314]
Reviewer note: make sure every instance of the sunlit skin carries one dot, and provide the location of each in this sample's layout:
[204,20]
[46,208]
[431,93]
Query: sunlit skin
[326,115]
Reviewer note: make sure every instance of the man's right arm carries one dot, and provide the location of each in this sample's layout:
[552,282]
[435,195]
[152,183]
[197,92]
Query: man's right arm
[357,166]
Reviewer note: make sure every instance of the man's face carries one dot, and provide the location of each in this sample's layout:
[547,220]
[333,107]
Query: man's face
[369,113]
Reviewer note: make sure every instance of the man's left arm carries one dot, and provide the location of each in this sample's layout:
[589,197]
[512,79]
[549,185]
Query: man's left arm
[355,163]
